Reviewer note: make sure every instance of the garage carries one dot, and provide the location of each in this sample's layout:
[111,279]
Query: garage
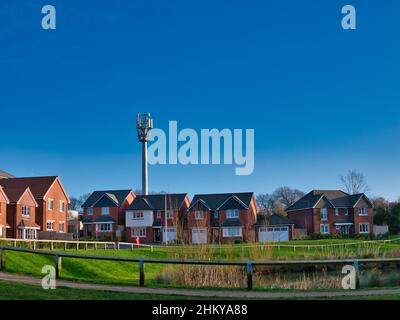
[199,235]
[273,234]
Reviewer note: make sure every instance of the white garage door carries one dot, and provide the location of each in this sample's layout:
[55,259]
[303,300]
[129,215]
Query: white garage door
[199,235]
[273,234]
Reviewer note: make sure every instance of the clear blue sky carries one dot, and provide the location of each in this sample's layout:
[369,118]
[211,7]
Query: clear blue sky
[321,100]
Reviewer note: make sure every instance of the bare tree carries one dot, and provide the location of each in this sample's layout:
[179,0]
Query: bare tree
[74,204]
[354,182]
[266,202]
[287,196]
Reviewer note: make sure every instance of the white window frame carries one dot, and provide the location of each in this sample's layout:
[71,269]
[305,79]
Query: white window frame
[322,229]
[232,213]
[138,232]
[99,227]
[105,209]
[199,215]
[346,211]
[51,223]
[89,211]
[232,232]
[50,204]
[62,206]
[26,211]
[158,214]
[138,215]
[170,214]
[1,232]
[363,224]
[337,212]
[216,214]
[363,212]
[324,214]
[59,226]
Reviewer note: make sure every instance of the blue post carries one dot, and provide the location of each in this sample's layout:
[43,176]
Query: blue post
[249,275]
[357,269]
[141,270]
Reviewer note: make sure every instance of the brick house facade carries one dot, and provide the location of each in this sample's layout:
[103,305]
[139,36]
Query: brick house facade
[21,214]
[145,218]
[333,212]
[222,218]
[3,213]
[104,214]
[51,213]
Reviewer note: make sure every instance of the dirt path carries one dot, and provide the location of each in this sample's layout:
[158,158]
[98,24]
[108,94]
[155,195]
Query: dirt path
[198,293]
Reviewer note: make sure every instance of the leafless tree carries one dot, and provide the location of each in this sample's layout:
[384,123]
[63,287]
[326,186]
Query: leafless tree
[354,182]
[266,202]
[287,196]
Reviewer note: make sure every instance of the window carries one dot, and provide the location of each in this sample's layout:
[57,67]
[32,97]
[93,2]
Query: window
[231,232]
[50,225]
[62,206]
[138,215]
[104,227]
[26,211]
[50,204]
[28,233]
[1,232]
[336,211]
[324,228]
[346,211]
[324,214]
[364,227]
[215,214]
[232,213]
[105,210]
[139,232]
[158,214]
[61,227]
[198,215]
[89,211]
[362,211]
[170,214]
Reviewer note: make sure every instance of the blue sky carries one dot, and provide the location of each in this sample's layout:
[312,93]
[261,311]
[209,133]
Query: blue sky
[322,100]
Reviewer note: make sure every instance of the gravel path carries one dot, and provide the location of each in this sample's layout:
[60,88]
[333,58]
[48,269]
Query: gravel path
[199,293]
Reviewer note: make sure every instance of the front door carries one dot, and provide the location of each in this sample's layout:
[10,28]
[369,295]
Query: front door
[157,234]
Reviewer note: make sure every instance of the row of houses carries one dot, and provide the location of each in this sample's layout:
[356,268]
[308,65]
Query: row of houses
[32,206]
[221,218]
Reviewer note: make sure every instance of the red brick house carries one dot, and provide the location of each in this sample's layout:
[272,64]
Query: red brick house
[333,211]
[222,218]
[104,213]
[145,218]
[51,197]
[21,213]
[3,213]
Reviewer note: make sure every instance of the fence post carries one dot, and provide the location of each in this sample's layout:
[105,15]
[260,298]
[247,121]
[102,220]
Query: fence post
[141,272]
[86,245]
[357,268]
[95,246]
[34,244]
[15,243]
[3,259]
[77,245]
[249,275]
[58,266]
[65,245]
[51,246]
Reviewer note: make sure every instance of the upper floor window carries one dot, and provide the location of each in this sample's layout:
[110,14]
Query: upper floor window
[50,204]
[216,215]
[232,213]
[62,206]
[198,215]
[158,214]
[362,211]
[89,211]
[346,211]
[26,210]
[336,211]
[105,210]
[138,215]
[324,214]
[170,214]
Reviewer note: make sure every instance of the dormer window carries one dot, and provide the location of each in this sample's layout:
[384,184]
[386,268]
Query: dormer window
[198,215]
[89,211]
[216,215]
[26,211]
[336,211]
[362,211]
[138,215]
[324,214]
[232,214]
[105,211]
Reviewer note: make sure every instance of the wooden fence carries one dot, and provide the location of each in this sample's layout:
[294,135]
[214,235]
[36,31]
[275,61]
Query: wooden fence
[248,264]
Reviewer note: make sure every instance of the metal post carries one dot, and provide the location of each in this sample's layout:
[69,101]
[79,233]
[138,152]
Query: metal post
[141,271]
[3,259]
[58,266]
[357,269]
[145,190]
[166,221]
[249,275]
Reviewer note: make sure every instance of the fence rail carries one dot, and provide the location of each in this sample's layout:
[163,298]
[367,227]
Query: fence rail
[248,264]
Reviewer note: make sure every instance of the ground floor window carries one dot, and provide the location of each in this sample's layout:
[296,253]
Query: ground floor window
[139,232]
[1,232]
[104,227]
[324,228]
[61,226]
[364,227]
[231,232]
[28,233]
[50,225]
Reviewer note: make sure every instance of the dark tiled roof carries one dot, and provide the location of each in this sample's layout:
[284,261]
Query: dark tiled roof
[215,201]
[38,185]
[157,201]
[104,219]
[4,174]
[118,196]
[14,194]
[232,223]
[157,223]
[87,220]
[273,220]
[27,224]
[337,198]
